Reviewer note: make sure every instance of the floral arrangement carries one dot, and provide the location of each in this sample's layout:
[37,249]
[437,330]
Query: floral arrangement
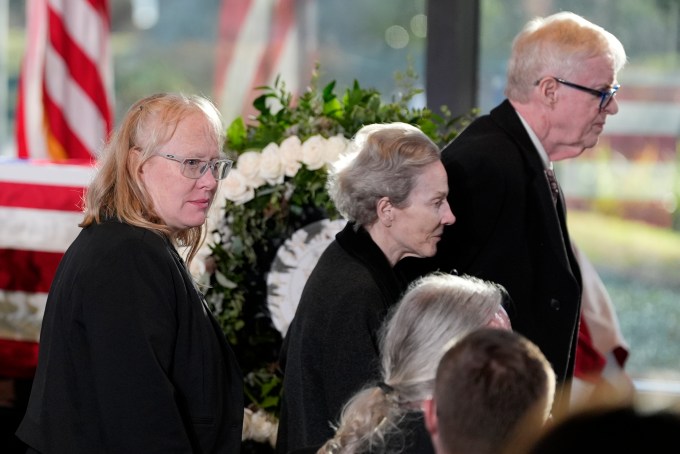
[277,186]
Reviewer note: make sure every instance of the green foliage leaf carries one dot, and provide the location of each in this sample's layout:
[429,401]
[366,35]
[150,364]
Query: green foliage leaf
[236,134]
[245,244]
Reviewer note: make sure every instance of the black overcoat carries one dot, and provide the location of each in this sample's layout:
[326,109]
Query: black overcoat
[130,358]
[509,230]
[331,347]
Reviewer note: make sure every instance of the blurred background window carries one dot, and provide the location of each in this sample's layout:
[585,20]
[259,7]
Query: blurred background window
[623,194]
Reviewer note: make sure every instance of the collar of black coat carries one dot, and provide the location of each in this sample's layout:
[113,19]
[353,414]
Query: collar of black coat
[356,241]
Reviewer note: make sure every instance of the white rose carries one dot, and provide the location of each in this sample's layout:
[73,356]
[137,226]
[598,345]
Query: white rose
[245,430]
[335,146]
[291,155]
[248,164]
[259,426]
[313,152]
[236,188]
[197,267]
[223,233]
[270,164]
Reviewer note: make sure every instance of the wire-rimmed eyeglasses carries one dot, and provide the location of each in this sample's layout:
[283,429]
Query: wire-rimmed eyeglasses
[604,95]
[195,168]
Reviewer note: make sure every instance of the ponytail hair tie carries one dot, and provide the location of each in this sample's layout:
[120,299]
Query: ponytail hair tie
[387,389]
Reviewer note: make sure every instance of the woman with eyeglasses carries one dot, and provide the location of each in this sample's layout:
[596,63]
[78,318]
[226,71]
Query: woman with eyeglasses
[512,229]
[131,358]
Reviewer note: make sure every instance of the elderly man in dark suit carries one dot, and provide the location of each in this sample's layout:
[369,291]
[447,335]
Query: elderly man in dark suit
[511,228]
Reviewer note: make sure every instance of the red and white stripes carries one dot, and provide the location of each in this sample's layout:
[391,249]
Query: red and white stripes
[258,40]
[40,208]
[65,98]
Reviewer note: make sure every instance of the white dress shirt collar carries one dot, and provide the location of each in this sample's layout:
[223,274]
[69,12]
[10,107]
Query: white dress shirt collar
[547,163]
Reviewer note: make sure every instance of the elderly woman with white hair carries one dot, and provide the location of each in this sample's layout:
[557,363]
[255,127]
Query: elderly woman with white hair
[392,190]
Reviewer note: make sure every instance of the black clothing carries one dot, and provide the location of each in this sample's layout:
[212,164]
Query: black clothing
[131,359]
[508,230]
[331,348]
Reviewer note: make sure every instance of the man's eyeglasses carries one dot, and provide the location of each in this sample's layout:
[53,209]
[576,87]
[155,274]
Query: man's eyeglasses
[605,96]
[195,168]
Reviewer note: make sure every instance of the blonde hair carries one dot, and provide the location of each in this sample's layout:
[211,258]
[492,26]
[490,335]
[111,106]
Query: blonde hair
[117,189]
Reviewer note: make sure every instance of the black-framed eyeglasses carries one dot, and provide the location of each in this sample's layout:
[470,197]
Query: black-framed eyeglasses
[195,168]
[605,95]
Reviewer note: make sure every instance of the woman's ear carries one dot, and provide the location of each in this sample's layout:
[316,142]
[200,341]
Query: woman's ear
[385,211]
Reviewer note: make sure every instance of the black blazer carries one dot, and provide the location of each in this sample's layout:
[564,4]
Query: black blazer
[131,359]
[331,348]
[508,230]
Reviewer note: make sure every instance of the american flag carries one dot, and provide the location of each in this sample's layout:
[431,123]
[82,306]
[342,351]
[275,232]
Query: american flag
[40,208]
[259,40]
[64,108]
[64,114]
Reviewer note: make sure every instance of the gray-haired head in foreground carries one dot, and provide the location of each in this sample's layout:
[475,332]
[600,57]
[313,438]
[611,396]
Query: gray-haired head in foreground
[433,312]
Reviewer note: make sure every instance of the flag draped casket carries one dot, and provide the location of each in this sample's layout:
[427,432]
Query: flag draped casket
[40,208]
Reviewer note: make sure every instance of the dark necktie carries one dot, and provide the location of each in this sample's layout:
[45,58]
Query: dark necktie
[554,187]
